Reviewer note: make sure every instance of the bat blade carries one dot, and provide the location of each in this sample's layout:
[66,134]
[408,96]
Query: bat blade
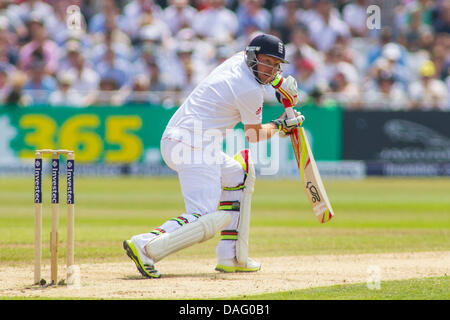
[310,176]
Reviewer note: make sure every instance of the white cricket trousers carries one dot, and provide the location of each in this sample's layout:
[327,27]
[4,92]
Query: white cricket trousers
[203,171]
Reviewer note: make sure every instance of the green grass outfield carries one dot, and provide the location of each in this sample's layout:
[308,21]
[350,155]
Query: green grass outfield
[376,215]
[414,289]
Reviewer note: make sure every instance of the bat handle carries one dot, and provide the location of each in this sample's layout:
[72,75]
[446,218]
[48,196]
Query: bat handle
[288,108]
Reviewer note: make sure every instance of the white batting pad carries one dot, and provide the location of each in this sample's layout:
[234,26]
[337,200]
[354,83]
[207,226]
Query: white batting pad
[244,220]
[198,231]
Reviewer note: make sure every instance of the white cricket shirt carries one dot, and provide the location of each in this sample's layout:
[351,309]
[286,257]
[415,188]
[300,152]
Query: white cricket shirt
[228,95]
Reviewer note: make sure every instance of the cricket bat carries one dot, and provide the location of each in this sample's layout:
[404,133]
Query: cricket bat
[312,182]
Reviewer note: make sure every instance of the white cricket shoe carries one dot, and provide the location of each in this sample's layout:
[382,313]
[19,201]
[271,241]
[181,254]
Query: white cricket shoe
[144,264]
[231,265]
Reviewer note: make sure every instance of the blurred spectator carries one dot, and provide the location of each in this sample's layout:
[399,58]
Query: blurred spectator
[70,50]
[11,20]
[156,32]
[188,72]
[203,4]
[154,75]
[442,22]
[252,16]
[7,56]
[148,64]
[222,54]
[105,95]
[41,45]
[179,15]
[203,50]
[426,40]
[325,25]
[413,35]
[347,52]
[307,5]
[374,52]
[85,78]
[4,85]
[319,99]
[139,13]
[429,92]
[385,93]
[117,41]
[391,60]
[304,71]
[115,34]
[40,84]
[447,82]
[65,96]
[445,72]
[216,22]
[334,61]
[151,35]
[140,93]
[185,72]
[344,91]
[355,15]
[112,67]
[426,9]
[286,17]
[110,14]
[440,53]
[30,9]
[14,95]
[299,40]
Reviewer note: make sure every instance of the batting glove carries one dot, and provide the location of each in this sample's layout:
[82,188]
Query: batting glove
[285,126]
[286,89]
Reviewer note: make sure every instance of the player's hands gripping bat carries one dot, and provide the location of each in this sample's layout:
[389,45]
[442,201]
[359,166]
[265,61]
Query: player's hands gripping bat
[309,173]
[285,125]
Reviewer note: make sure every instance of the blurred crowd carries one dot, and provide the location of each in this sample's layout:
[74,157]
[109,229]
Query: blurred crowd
[143,52]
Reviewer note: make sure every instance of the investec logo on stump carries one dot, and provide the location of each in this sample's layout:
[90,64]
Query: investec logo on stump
[37,181]
[55,184]
[70,168]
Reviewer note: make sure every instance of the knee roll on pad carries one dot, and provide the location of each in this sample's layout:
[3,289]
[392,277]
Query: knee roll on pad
[198,231]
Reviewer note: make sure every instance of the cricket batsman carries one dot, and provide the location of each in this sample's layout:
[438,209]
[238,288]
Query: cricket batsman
[217,188]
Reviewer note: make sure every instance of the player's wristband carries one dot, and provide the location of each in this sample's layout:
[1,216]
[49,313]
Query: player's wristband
[279,125]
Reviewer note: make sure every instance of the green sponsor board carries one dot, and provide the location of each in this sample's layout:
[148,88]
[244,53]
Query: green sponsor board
[129,133]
